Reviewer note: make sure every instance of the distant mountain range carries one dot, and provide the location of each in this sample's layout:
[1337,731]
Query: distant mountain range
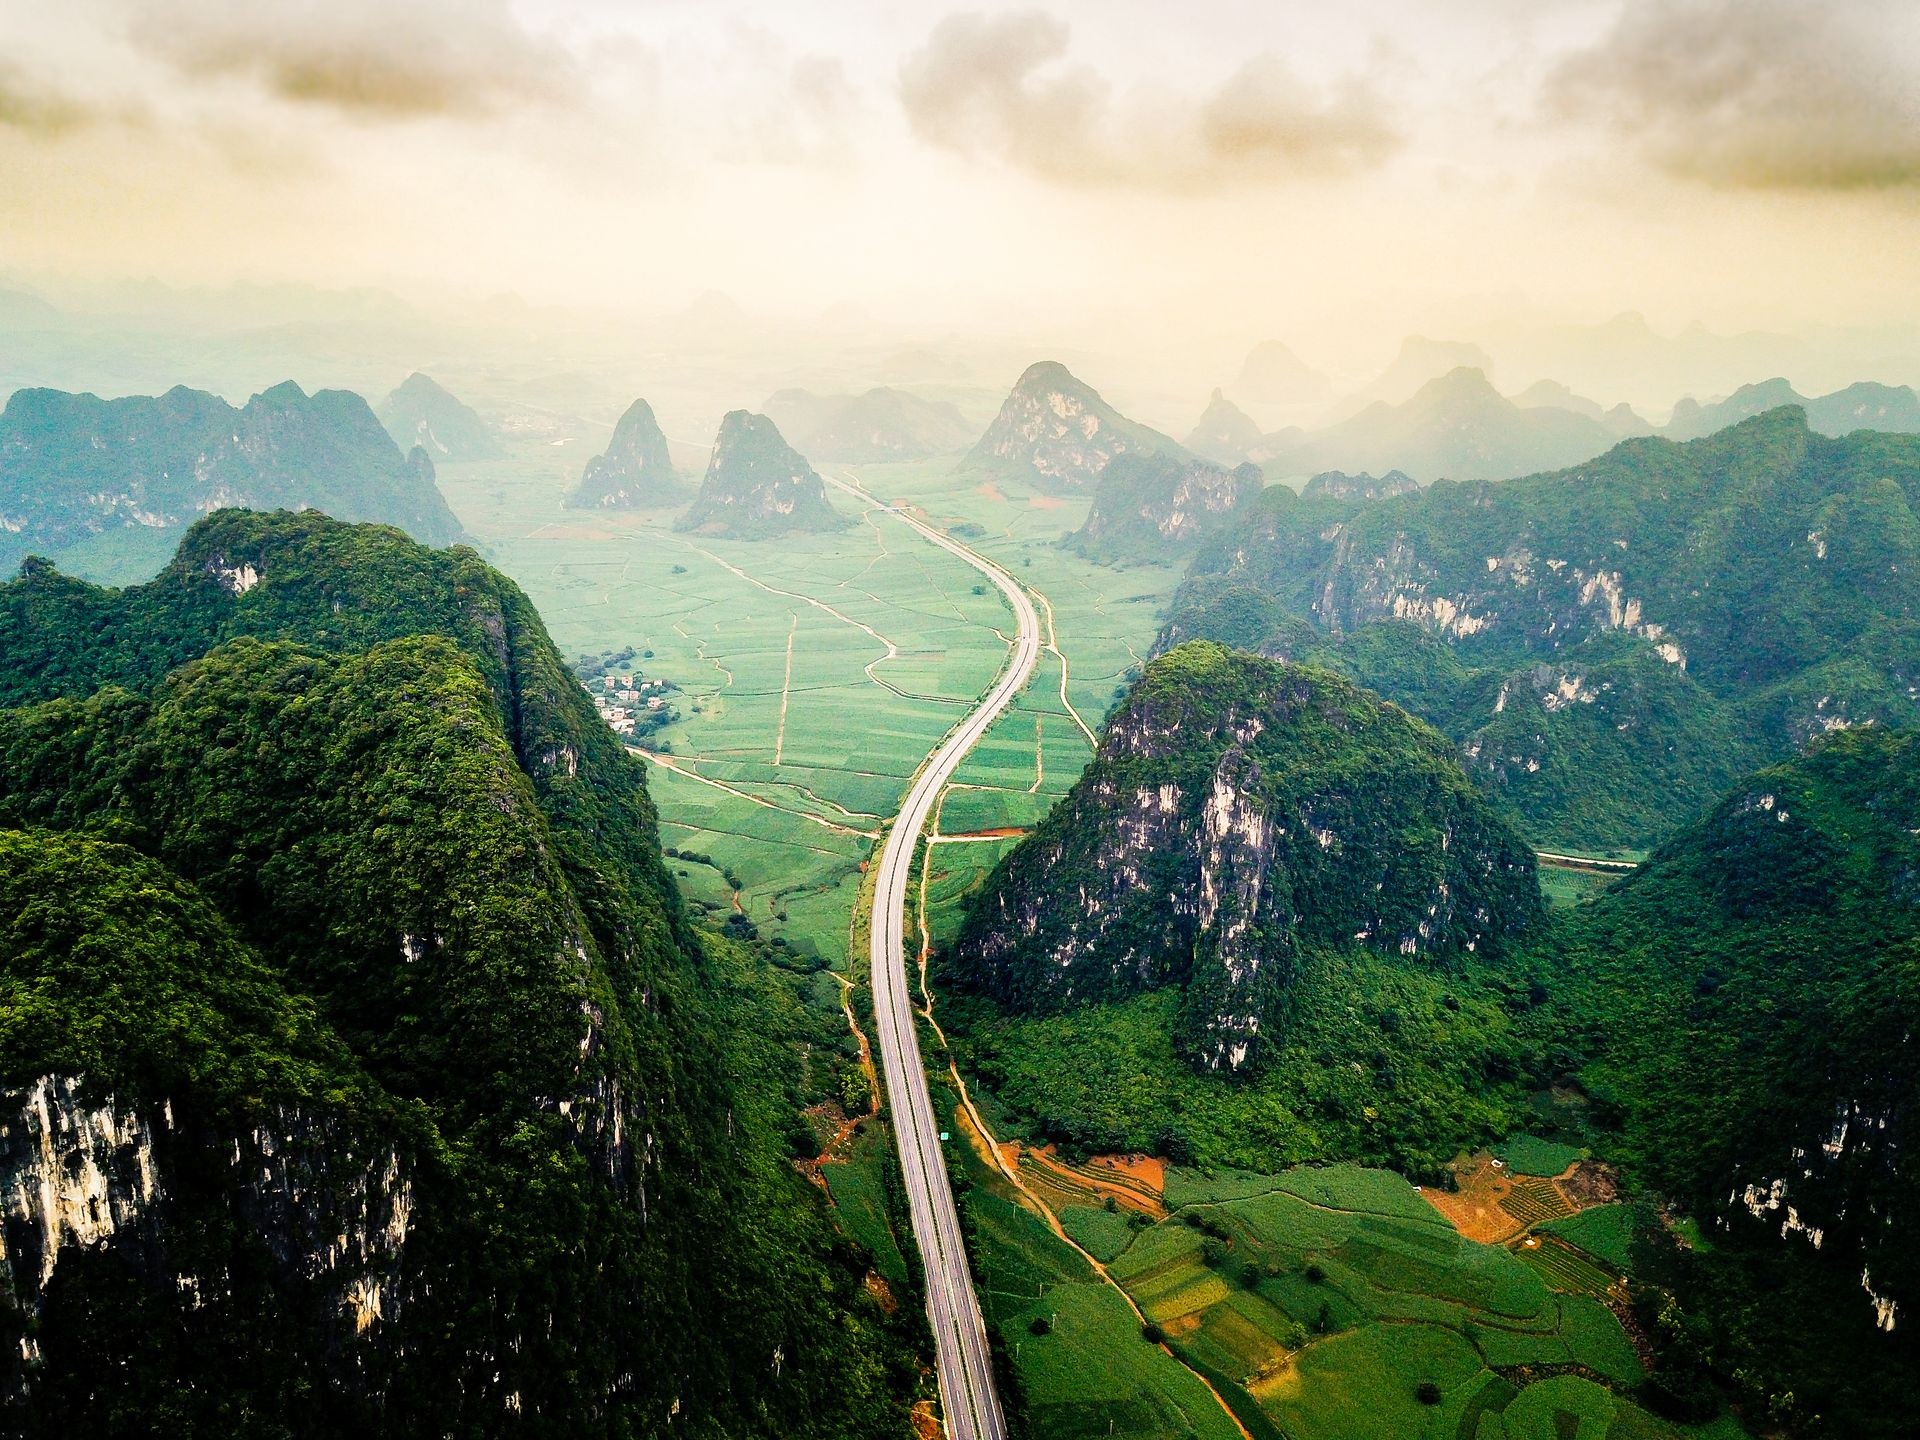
[635,472]
[1459,427]
[1610,644]
[1273,375]
[1225,433]
[1055,431]
[1863,406]
[76,467]
[880,425]
[1418,363]
[421,413]
[757,486]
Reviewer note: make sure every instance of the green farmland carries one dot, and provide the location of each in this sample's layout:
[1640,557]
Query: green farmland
[1329,1298]
[816,673]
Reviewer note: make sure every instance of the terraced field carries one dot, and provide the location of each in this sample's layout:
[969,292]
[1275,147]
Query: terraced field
[1326,1297]
[1533,1200]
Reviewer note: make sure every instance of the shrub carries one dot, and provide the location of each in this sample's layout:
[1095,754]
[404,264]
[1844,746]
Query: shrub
[1427,1393]
[1039,1325]
[1152,1333]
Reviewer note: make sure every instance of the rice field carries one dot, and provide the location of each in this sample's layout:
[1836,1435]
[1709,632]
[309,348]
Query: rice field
[1327,1297]
[815,673]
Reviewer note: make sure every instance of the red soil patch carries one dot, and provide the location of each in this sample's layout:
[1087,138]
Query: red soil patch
[1482,1208]
[1045,502]
[881,1291]
[839,1127]
[1137,1182]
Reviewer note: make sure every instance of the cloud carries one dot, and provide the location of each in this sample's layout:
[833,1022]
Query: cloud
[29,107]
[807,119]
[780,107]
[1757,94]
[998,87]
[397,61]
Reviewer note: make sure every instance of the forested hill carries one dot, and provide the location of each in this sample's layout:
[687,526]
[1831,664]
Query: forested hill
[1238,812]
[76,467]
[1743,1009]
[1609,645]
[369,1017]
[757,486]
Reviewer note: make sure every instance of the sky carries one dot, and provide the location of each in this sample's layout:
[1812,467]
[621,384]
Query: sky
[1133,167]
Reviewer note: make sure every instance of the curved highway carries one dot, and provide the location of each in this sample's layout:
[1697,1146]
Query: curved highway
[967,1398]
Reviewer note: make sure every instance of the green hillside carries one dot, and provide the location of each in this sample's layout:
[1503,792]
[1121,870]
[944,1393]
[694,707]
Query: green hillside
[1740,1011]
[428,1104]
[1611,645]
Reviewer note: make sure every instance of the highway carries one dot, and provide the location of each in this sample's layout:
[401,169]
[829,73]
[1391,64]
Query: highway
[968,1402]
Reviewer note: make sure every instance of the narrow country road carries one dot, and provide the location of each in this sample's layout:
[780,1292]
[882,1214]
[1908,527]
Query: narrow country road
[967,1399]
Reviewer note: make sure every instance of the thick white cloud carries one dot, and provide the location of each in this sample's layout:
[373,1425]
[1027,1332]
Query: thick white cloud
[1780,94]
[998,87]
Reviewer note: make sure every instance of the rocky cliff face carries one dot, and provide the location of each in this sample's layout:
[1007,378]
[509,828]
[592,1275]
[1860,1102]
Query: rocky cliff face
[636,472]
[1237,810]
[75,466]
[1769,572]
[1151,505]
[422,412]
[79,1173]
[757,486]
[1338,485]
[1055,430]
[1693,548]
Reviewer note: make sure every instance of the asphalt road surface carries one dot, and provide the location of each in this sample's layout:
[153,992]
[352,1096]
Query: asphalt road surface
[967,1398]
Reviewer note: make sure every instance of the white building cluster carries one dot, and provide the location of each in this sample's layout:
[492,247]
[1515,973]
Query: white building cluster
[620,697]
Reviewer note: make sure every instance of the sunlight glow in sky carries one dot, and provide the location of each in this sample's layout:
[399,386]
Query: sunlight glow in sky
[1140,166]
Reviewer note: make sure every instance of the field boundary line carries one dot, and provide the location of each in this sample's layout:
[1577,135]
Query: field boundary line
[666,762]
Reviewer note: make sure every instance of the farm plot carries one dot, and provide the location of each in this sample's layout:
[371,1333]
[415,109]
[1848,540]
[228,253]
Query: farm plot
[1604,1232]
[1533,1200]
[1084,1368]
[1332,1295]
